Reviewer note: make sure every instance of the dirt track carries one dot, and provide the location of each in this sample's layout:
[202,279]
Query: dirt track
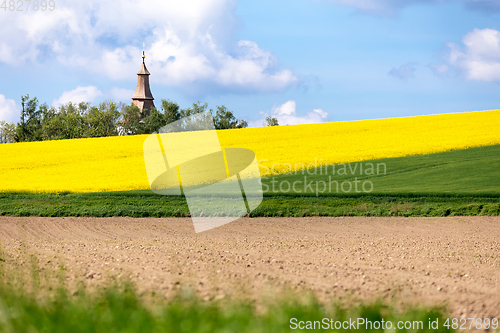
[434,260]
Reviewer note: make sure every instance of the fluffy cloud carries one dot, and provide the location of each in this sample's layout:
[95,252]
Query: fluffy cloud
[287,115]
[9,111]
[388,7]
[190,44]
[479,59]
[403,72]
[80,94]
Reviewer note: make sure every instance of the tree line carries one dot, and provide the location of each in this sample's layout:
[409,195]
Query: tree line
[39,122]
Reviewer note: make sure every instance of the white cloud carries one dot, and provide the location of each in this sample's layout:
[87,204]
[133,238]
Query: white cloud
[285,109]
[9,111]
[80,94]
[286,114]
[480,58]
[190,44]
[403,72]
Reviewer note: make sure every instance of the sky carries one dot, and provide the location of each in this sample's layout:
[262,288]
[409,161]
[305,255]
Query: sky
[301,61]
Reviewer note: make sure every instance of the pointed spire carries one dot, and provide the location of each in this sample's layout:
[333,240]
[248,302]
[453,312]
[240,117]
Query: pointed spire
[142,96]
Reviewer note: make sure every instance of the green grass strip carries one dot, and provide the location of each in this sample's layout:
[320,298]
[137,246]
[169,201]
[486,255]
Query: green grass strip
[455,183]
[149,205]
[121,309]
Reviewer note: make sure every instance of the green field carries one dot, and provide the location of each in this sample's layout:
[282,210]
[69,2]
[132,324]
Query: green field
[461,182]
[473,172]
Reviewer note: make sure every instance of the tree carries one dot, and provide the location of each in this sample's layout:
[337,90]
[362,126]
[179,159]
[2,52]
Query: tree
[271,121]
[71,122]
[82,120]
[153,122]
[136,122]
[130,121]
[183,124]
[67,122]
[194,109]
[7,132]
[101,121]
[29,128]
[225,119]
[170,111]
[50,124]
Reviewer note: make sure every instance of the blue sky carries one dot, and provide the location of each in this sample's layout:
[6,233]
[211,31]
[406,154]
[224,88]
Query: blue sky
[300,61]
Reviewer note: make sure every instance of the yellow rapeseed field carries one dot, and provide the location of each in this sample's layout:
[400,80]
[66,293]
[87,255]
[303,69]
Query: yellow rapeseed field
[117,164]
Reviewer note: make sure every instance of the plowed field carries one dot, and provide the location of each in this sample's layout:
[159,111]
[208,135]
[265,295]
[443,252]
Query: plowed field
[453,261]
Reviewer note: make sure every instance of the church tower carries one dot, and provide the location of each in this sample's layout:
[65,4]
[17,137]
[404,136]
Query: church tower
[143,98]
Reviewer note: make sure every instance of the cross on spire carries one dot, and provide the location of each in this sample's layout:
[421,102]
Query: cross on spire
[143,55]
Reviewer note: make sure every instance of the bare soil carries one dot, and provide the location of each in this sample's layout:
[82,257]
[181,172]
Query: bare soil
[451,261]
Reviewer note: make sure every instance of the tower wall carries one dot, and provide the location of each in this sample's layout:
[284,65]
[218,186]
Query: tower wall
[143,98]
[144,105]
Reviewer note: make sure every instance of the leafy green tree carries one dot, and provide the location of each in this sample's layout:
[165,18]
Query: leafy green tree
[225,119]
[102,120]
[52,124]
[271,121]
[29,128]
[170,110]
[194,109]
[130,122]
[7,132]
[182,114]
[153,122]
[67,122]
[73,123]
[134,122]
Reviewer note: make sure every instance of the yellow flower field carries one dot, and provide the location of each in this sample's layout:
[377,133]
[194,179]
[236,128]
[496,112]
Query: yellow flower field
[117,164]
